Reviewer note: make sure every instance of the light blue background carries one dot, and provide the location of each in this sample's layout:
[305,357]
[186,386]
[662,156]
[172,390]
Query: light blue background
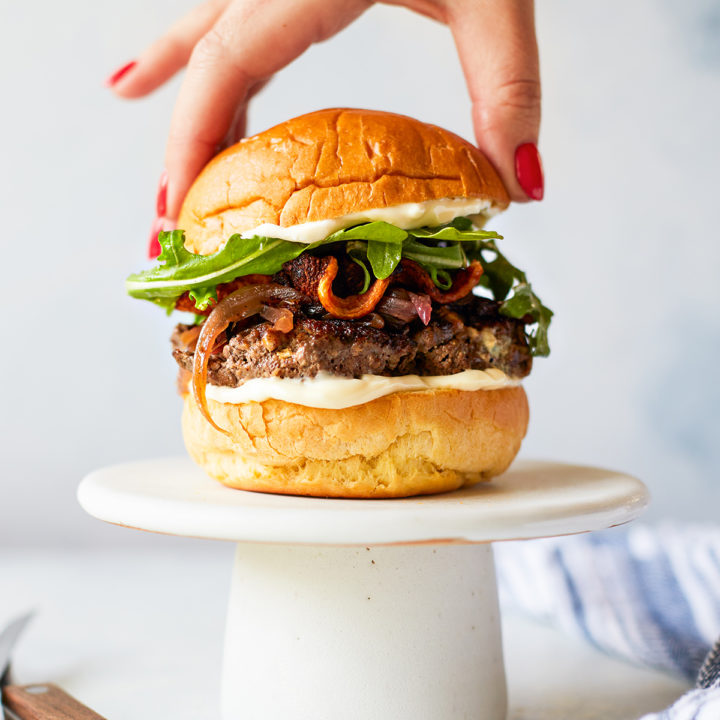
[625,248]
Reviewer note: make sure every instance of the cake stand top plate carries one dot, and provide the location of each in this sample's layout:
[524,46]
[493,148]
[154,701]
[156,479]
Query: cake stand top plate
[533,499]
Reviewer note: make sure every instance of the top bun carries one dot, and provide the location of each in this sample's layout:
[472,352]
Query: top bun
[328,164]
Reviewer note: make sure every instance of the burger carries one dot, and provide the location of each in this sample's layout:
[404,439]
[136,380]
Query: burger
[355,332]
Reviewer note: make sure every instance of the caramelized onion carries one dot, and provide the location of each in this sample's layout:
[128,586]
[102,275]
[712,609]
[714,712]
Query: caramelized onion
[397,304]
[220,342]
[188,338]
[411,273]
[187,304]
[406,306]
[422,305]
[374,320]
[239,305]
[281,318]
[354,306]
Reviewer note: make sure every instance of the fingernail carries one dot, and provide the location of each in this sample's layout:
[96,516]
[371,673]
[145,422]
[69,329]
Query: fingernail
[120,73]
[160,224]
[529,172]
[161,201]
[154,248]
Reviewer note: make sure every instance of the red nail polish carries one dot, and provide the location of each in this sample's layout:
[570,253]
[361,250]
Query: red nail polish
[161,202]
[160,224]
[120,73]
[529,172]
[154,248]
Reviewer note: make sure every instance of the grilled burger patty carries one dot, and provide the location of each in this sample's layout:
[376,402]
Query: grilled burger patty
[468,334]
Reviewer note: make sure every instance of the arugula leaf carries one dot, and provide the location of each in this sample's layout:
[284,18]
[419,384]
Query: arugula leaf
[525,302]
[440,277]
[450,233]
[384,257]
[358,254]
[461,223]
[500,274]
[451,257]
[502,278]
[379,231]
[203,296]
[180,270]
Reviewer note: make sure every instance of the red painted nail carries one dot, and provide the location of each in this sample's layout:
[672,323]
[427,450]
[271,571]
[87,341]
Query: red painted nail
[120,73]
[161,202]
[529,172]
[161,224]
[154,248]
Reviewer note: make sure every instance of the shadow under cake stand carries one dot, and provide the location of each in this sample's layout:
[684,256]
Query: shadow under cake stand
[364,609]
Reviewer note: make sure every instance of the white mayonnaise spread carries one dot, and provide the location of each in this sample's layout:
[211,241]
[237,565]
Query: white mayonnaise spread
[406,216]
[334,393]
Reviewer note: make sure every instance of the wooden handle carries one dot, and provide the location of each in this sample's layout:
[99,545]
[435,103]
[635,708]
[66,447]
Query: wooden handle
[45,702]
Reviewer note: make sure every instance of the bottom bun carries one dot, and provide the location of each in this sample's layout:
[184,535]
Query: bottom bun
[411,443]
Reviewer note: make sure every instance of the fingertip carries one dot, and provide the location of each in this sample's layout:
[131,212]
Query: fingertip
[180,180]
[114,79]
[529,171]
[518,163]
[160,224]
[161,197]
[136,84]
[129,81]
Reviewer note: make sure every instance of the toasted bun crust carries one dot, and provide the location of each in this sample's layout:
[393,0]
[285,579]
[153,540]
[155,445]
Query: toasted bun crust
[413,443]
[328,164]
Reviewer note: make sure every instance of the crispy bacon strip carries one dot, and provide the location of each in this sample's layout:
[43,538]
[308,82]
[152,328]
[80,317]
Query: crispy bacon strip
[416,276]
[187,304]
[353,306]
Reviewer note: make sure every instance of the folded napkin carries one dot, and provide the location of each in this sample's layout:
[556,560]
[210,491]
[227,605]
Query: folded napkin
[651,595]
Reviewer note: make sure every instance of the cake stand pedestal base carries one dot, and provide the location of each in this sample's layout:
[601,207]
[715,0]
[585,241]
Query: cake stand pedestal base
[404,632]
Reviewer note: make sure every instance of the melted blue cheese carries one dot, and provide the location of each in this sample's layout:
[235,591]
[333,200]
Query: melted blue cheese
[406,216]
[335,393]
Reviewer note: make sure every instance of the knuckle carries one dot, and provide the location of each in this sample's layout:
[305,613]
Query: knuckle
[216,50]
[210,48]
[520,94]
[176,45]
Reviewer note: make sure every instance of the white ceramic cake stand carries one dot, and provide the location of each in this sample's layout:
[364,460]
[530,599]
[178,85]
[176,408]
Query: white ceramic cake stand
[364,609]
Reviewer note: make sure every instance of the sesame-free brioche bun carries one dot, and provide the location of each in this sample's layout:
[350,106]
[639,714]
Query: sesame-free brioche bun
[409,443]
[328,164]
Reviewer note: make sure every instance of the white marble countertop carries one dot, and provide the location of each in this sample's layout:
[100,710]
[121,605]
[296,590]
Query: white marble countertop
[137,633]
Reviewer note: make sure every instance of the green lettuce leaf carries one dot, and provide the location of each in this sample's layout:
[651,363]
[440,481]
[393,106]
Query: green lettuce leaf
[358,254]
[450,233]
[180,271]
[384,257]
[378,231]
[203,296]
[451,257]
[524,302]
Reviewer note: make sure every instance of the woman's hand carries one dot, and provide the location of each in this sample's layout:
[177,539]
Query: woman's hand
[233,47]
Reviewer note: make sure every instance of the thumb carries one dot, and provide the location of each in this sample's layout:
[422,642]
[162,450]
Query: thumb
[498,51]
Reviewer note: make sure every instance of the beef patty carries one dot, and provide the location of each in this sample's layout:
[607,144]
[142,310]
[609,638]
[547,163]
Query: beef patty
[467,335]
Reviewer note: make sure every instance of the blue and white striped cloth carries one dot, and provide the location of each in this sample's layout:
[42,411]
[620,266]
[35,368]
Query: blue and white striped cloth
[651,595]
